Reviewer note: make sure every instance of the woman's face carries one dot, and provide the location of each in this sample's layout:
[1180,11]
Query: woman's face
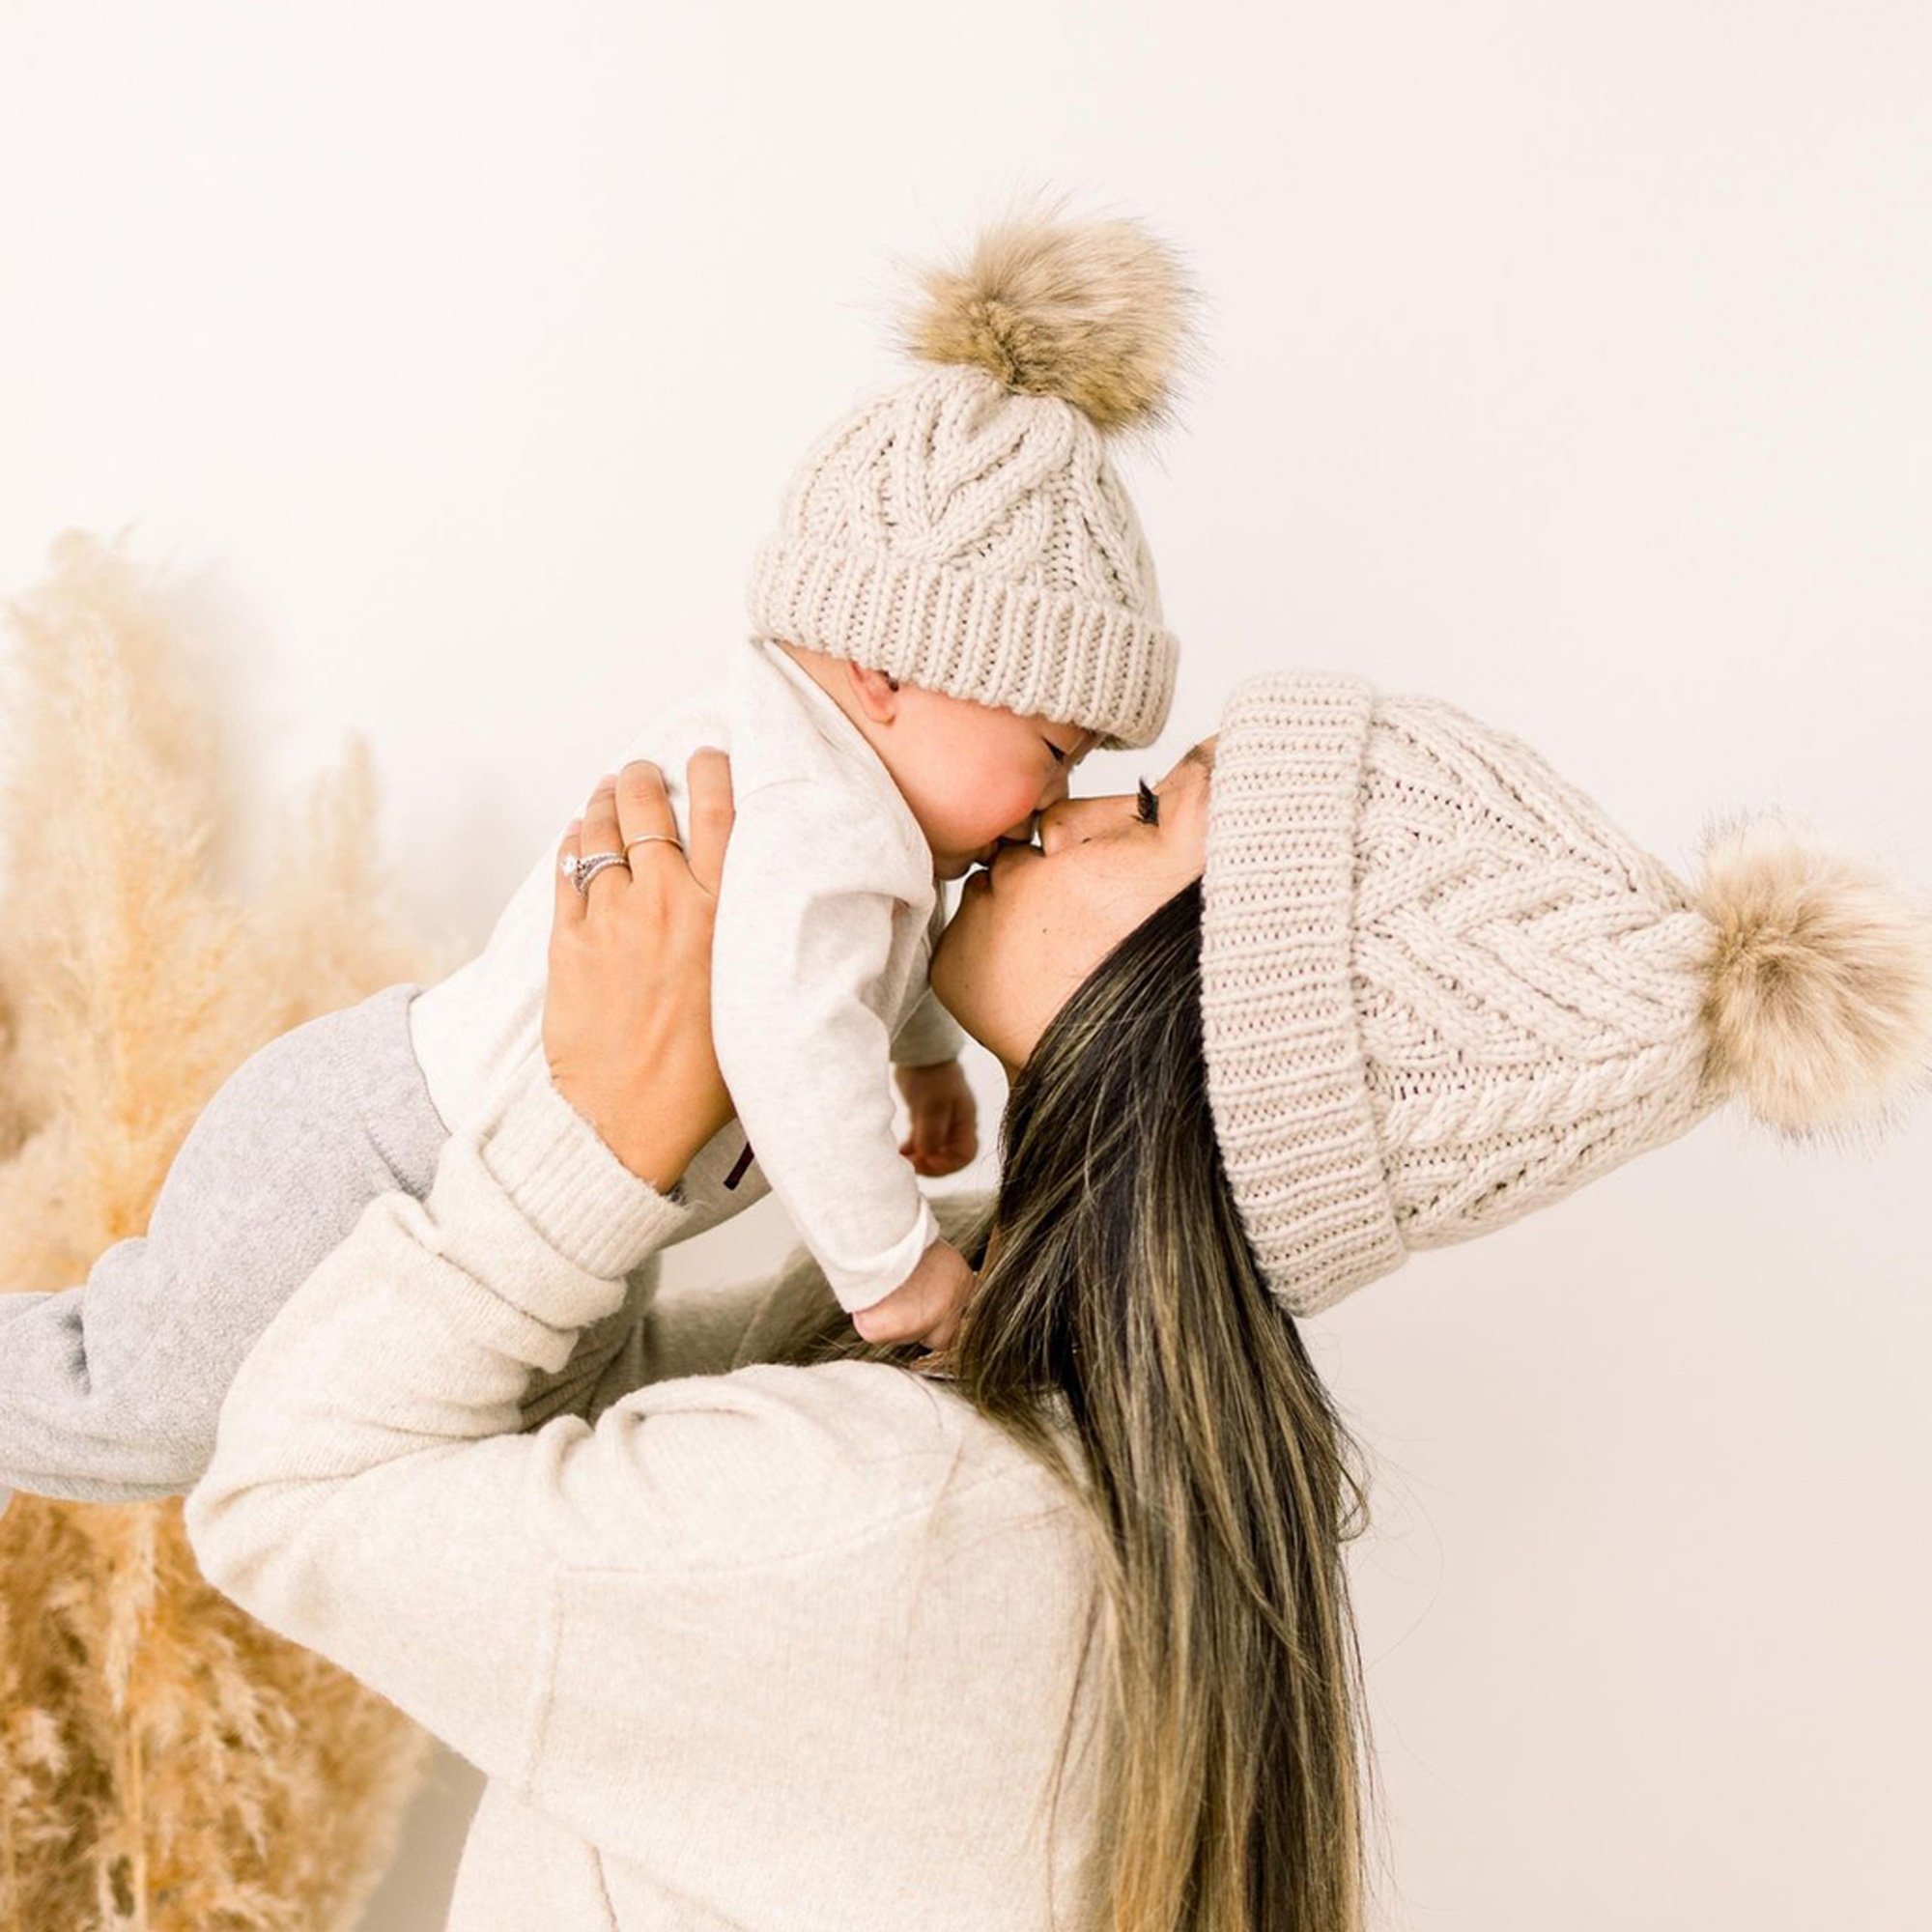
[1037,922]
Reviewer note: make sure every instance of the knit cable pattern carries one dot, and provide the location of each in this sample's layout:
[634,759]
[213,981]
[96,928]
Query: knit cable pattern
[978,543]
[1527,980]
[1438,987]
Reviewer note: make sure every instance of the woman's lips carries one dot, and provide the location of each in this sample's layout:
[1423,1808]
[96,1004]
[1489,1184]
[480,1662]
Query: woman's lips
[1006,855]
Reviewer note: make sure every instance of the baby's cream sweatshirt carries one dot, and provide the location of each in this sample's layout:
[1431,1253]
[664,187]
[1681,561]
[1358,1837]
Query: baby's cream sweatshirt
[773,1648]
[827,915]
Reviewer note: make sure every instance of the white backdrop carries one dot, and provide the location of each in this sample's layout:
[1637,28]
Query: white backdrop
[1564,360]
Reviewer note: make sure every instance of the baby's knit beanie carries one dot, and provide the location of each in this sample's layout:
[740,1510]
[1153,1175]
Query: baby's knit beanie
[1440,988]
[966,531]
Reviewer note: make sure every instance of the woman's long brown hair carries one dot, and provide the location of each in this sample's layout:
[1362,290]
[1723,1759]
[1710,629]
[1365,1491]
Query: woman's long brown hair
[1217,1475]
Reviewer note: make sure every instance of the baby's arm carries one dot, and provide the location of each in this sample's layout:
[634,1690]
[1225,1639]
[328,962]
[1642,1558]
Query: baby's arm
[930,1035]
[805,931]
[942,1134]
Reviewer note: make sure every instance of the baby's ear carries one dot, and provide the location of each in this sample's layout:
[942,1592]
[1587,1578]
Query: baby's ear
[877,693]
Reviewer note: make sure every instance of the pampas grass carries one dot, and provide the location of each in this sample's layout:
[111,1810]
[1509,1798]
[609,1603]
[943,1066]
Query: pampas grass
[165,1763]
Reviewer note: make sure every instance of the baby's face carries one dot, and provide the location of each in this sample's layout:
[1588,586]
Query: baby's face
[974,776]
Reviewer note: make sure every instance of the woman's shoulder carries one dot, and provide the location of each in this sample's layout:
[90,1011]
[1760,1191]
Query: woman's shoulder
[849,1606]
[840,1456]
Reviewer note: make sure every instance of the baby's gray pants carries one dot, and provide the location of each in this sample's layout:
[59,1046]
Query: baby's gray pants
[109,1391]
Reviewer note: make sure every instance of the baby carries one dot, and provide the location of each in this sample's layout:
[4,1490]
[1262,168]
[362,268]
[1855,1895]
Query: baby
[855,792]
[958,606]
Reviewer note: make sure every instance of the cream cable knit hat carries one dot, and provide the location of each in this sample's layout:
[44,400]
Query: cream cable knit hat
[966,531]
[1440,988]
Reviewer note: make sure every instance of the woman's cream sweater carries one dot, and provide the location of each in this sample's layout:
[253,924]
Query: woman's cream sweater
[746,1646]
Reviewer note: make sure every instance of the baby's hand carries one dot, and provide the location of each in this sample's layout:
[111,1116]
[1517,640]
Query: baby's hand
[924,1307]
[944,1134]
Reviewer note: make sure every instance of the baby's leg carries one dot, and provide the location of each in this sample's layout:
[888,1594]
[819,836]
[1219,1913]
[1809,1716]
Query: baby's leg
[109,1391]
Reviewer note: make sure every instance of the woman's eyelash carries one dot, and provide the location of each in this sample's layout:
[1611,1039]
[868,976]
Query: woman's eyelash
[1058,757]
[1150,810]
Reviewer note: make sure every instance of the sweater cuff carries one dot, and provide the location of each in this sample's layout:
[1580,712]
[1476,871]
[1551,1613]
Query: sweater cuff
[567,1182]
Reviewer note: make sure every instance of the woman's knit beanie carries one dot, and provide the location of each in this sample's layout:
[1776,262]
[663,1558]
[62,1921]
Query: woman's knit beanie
[966,531]
[1440,988]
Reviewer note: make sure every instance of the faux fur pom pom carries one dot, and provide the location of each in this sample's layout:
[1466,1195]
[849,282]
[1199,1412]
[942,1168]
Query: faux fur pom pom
[1819,1005]
[1093,312]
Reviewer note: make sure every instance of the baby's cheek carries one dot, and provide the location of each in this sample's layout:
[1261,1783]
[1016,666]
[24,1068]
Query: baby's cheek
[1004,802]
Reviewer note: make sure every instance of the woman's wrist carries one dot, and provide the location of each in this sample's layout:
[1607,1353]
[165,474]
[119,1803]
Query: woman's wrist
[578,1191]
[656,1135]
[658,1164]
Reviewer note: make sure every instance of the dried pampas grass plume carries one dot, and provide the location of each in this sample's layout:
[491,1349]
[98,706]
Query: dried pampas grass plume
[164,1762]
[1093,312]
[1818,1008]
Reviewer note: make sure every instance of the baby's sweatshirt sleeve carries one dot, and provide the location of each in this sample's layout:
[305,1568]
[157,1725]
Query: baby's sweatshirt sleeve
[811,887]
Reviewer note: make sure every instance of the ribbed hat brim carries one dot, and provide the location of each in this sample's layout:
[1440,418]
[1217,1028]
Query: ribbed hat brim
[1038,652]
[1287,1078]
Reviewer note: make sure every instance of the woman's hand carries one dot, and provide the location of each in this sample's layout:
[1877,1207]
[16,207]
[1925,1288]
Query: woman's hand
[627,1013]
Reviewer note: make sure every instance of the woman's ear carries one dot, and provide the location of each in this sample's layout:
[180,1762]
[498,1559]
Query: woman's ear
[877,693]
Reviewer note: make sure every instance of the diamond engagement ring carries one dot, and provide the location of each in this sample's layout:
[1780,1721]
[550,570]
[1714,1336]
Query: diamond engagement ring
[580,872]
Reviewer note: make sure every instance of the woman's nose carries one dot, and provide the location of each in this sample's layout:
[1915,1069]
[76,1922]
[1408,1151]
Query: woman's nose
[1066,822]
[1073,819]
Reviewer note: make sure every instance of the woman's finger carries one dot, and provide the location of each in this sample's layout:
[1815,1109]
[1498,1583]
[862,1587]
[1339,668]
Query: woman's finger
[600,834]
[571,905]
[643,811]
[709,774]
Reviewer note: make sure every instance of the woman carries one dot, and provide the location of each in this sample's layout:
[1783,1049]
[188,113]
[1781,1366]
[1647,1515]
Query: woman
[1051,1627]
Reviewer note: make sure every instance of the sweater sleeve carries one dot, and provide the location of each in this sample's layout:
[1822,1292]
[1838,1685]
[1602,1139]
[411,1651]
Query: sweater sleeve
[810,890]
[369,1495]
[369,1498]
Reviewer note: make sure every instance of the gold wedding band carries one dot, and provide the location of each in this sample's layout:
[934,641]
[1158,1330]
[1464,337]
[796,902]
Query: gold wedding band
[645,839]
